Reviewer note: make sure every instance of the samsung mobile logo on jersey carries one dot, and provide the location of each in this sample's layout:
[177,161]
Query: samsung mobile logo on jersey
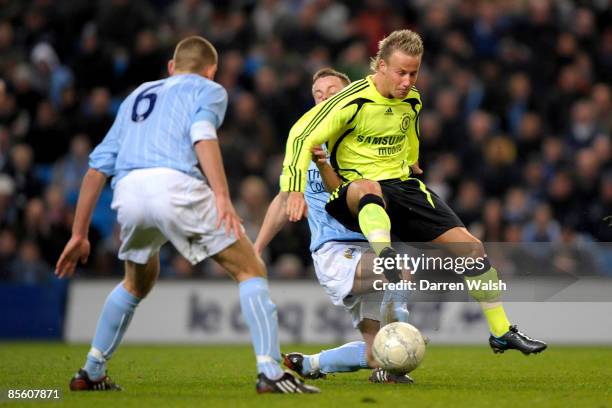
[380,140]
[387,151]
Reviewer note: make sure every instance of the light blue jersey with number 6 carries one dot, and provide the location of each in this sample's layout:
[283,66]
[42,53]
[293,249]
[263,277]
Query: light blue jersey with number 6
[157,126]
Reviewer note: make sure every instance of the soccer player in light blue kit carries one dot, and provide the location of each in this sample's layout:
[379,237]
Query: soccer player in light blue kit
[337,257]
[162,131]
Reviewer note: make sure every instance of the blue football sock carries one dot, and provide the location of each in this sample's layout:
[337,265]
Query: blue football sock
[260,315]
[112,324]
[348,357]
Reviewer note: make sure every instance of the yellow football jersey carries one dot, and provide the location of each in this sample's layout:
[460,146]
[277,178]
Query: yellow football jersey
[368,136]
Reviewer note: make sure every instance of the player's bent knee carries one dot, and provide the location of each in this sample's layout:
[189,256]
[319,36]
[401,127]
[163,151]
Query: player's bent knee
[240,260]
[363,187]
[476,248]
[360,189]
[140,279]
[254,269]
[462,243]
[138,290]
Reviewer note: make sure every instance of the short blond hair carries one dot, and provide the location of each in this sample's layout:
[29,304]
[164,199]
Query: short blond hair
[193,54]
[406,41]
[327,72]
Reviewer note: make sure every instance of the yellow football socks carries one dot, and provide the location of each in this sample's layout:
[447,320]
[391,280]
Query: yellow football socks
[376,226]
[496,317]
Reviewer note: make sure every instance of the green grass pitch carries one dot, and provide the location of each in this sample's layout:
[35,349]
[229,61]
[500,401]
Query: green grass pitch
[223,376]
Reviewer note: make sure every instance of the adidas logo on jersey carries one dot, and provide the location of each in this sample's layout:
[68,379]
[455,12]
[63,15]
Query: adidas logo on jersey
[389,111]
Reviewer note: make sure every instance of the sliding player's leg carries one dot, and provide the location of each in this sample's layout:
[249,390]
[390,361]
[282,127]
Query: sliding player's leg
[351,356]
[114,320]
[348,357]
[338,266]
[504,336]
[243,265]
[345,271]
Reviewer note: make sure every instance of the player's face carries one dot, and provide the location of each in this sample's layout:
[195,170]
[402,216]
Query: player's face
[326,87]
[400,73]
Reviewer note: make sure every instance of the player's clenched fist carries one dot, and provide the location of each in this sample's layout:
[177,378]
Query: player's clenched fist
[319,155]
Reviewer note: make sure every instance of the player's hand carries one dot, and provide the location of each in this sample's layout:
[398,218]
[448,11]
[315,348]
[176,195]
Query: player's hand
[319,156]
[227,216]
[415,169]
[77,249]
[296,206]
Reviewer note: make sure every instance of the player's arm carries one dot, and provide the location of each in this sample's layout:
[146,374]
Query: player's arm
[101,167]
[77,249]
[275,220]
[314,128]
[208,153]
[331,180]
[207,118]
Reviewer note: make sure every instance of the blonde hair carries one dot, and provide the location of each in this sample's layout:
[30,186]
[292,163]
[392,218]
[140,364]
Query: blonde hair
[193,54]
[406,41]
[327,72]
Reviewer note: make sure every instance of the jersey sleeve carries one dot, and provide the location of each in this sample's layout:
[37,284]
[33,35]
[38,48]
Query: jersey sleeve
[211,104]
[316,127]
[104,156]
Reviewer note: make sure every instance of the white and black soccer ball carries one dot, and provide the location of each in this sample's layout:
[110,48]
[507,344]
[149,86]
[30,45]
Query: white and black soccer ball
[399,348]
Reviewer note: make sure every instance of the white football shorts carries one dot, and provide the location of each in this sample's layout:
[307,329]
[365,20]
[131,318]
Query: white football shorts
[335,264]
[158,205]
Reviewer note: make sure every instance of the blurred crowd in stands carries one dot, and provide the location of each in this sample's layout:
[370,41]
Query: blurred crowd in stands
[515,130]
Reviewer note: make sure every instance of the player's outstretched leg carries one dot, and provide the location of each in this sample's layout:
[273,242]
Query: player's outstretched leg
[114,320]
[301,364]
[259,312]
[340,360]
[349,357]
[346,358]
[504,336]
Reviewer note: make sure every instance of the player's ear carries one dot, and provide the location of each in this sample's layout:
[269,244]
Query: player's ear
[210,71]
[382,66]
[171,67]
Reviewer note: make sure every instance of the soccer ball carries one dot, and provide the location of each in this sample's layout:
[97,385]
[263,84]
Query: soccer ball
[399,348]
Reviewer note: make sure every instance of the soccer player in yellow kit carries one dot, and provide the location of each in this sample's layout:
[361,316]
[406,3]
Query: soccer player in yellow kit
[372,133]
